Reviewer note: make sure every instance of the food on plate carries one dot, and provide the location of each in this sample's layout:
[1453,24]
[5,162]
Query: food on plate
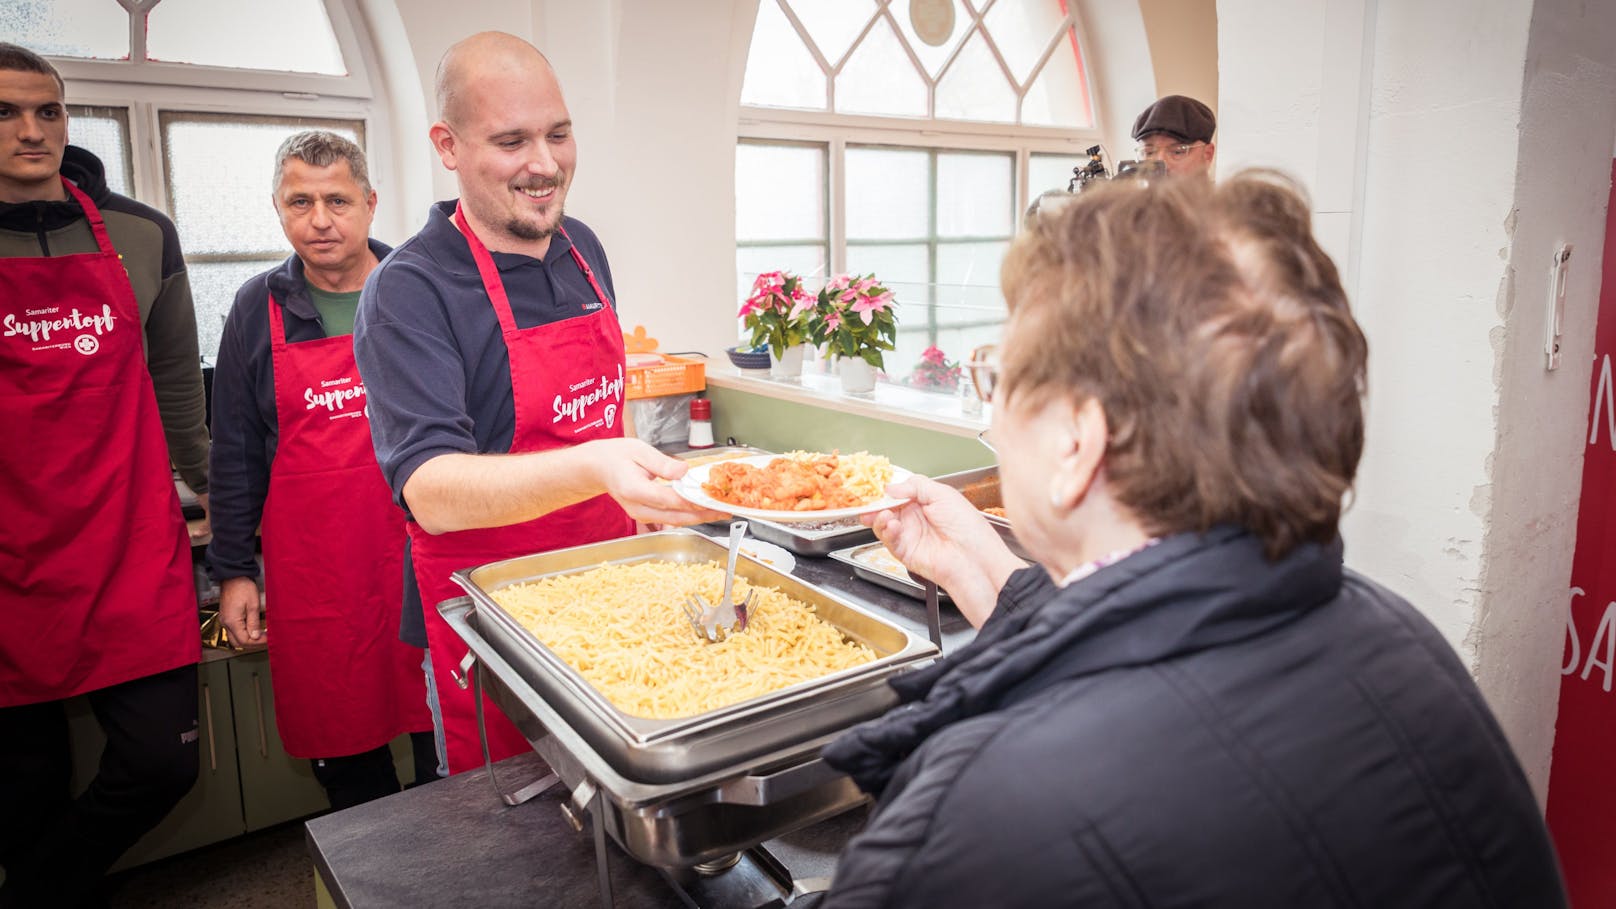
[730,455]
[995,510]
[801,481]
[881,559]
[623,629]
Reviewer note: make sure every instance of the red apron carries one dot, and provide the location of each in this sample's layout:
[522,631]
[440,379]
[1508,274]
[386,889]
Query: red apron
[95,564]
[567,382]
[333,563]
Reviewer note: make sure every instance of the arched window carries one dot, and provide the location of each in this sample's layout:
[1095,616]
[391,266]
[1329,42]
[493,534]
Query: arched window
[904,137]
[185,101]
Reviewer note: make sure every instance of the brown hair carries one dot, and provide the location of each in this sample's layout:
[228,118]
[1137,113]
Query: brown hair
[20,59]
[1214,333]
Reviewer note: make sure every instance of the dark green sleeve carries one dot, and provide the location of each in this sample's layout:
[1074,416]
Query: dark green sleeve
[176,370]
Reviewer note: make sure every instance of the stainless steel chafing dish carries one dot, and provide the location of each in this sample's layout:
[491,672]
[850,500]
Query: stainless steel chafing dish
[980,486]
[680,792]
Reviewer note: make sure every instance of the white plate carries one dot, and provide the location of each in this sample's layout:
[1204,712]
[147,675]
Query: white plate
[769,554]
[689,486]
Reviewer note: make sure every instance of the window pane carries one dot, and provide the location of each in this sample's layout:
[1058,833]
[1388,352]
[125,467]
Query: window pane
[67,28]
[974,194]
[807,262]
[285,36]
[931,57]
[779,192]
[968,280]
[975,88]
[1047,172]
[779,70]
[908,264]
[880,79]
[213,288]
[887,193]
[219,171]
[1059,96]
[833,24]
[1022,31]
[104,132]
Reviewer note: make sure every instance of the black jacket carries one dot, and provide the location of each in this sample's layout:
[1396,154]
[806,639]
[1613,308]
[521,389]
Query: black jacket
[245,429]
[1196,726]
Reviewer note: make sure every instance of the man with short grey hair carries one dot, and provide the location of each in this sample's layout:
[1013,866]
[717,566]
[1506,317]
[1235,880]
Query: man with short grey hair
[292,453]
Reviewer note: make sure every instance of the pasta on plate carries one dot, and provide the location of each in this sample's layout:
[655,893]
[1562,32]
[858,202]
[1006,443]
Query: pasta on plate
[623,629]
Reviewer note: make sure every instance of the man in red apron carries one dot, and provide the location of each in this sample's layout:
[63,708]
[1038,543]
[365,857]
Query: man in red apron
[291,451]
[493,360]
[96,590]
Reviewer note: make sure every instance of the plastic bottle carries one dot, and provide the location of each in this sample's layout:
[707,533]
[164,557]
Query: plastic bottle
[701,423]
[970,402]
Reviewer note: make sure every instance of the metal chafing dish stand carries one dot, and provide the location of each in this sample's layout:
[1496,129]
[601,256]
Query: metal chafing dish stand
[691,796]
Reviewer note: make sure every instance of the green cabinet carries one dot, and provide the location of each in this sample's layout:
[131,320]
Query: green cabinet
[211,811]
[275,787]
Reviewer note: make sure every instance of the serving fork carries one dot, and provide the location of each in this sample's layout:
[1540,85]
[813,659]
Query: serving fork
[716,622]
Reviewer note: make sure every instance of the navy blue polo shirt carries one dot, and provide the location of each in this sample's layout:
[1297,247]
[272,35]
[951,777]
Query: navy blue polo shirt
[437,374]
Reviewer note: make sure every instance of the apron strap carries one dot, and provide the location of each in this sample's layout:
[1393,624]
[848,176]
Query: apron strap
[92,214]
[277,326]
[495,286]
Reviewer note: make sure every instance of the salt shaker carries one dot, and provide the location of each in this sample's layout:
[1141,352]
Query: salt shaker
[701,423]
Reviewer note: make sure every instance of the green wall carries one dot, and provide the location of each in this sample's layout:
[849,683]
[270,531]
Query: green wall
[776,425]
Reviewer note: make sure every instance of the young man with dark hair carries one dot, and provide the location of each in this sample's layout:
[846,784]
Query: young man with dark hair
[100,390]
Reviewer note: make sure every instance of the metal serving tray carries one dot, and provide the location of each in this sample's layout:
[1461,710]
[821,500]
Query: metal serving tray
[980,487]
[810,539]
[737,736]
[899,580]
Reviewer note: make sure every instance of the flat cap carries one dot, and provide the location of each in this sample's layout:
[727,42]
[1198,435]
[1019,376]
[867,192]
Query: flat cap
[1186,118]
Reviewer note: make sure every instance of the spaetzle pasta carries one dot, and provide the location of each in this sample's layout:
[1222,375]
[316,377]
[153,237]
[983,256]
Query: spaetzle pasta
[622,628]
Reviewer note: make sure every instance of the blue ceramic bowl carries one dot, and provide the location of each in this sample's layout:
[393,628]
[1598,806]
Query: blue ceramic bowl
[748,359]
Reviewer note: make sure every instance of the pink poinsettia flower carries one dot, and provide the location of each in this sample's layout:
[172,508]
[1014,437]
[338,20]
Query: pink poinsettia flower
[866,307]
[833,321]
[752,305]
[863,285]
[801,302]
[933,354]
[769,282]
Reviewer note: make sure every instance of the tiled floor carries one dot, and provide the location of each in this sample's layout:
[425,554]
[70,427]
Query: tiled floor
[269,869]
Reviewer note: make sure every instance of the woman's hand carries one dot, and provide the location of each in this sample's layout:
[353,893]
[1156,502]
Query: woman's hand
[940,535]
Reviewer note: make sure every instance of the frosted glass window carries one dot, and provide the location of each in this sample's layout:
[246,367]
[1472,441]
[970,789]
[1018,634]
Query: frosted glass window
[909,264]
[97,29]
[879,78]
[286,35]
[932,58]
[888,191]
[779,192]
[1059,96]
[975,87]
[213,290]
[968,281]
[1047,172]
[1022,32]
[975,194]
[780,72]
[104,132]
[220,170]
[832,24]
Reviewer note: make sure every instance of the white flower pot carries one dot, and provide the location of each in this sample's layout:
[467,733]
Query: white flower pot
[858,377]
[787,366]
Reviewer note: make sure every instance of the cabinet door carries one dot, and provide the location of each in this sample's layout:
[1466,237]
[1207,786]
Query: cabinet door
[211,811]
[275,786]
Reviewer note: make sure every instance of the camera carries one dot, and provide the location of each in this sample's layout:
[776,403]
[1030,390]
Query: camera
[1092,172]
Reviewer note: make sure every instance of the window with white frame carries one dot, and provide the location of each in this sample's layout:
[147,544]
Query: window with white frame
[904,138]
[185,102]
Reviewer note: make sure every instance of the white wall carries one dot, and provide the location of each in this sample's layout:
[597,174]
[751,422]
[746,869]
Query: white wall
[1477,152]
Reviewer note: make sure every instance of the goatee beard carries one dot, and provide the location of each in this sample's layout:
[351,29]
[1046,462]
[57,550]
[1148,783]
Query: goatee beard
[527,230]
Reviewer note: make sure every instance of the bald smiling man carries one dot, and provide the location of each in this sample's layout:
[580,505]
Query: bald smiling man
[493,364]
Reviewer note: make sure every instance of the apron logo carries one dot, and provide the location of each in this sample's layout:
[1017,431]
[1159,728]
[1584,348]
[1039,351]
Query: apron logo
[333,399]
[576,409]
[86,344]
[41,329]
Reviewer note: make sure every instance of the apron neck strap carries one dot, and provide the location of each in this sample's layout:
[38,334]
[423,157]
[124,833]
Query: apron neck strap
[92,214]
[277,325]
[495,286]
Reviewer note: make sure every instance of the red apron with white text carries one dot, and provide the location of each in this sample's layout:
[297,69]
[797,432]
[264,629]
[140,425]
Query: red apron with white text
[572,361]
[95,564]
[333,563]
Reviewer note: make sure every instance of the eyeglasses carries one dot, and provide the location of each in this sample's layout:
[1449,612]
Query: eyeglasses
[983,368]
[1175,152]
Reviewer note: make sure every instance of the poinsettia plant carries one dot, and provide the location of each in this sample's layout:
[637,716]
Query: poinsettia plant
[778,312]
[935,370]
[854,318]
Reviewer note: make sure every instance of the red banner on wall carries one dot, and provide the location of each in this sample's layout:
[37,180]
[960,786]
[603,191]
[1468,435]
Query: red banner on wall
[1582,786]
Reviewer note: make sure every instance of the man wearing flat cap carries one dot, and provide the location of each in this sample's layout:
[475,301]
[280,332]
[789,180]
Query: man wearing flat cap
[1177,131]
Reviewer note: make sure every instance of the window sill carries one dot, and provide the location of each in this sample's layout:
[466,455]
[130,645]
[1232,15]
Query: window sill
[896,404]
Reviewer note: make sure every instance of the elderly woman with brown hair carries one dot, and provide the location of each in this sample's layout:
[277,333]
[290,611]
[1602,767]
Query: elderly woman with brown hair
[1188,700]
